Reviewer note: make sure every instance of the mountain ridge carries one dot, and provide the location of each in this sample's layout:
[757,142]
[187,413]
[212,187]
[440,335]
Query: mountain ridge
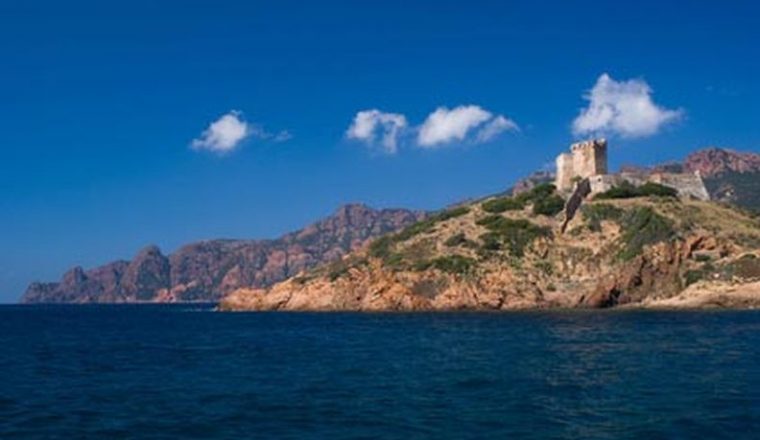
[205,270]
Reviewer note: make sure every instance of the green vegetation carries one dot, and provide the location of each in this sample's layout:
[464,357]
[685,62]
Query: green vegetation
[550,205]
[496,206]
[543,198]
[641,227]
[513,234]
[694,275]
[538,192]
[626,190]
[454,264]
[595,214]
[381,247]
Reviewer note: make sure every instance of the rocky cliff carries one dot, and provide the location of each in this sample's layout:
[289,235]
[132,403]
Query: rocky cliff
[206,270]
[509,253]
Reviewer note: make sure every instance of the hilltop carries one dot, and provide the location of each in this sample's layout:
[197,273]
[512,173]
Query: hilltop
[644,247]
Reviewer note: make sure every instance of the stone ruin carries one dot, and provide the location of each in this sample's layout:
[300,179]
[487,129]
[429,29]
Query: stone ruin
[585,159]
[588,160]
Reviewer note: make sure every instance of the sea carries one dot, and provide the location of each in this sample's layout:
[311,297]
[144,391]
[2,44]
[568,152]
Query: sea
[186,371]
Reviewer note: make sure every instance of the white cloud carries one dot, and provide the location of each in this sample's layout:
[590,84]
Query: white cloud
[444,125]
[624,108]
[494,128]
[371,125]
[282,136]
[224,134]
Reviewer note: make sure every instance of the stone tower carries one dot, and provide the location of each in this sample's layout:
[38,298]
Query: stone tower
[564,179]
[586,159]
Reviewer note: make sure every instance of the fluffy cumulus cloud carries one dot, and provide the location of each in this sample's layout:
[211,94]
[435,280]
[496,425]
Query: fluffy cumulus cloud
[371,126]
[465,123]
[224,134]
[623,108]
[495,127]
[448,125]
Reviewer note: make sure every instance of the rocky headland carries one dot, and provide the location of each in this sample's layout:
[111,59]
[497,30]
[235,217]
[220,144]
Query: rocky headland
[648,249]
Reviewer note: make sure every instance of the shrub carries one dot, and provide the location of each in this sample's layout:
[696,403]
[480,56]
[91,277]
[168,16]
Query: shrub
[641,227]
[540,191]
[502,204]
[455,264]
[516,235]
[626,190]
[338,272]
[692,276]
[550,205]
[655,189]
[381,247]
[623,191]
[458,239]
[394,261]
[450,213]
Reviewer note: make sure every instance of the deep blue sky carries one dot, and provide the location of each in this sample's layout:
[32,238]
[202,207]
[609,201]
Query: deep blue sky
[100,101]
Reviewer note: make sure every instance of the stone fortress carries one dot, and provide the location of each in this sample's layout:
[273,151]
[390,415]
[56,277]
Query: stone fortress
[588,160]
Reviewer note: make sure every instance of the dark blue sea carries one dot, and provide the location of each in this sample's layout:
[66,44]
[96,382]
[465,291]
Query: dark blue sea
[166,372]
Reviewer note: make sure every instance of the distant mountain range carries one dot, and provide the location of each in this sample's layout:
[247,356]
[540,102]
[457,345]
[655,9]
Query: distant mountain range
[206,270]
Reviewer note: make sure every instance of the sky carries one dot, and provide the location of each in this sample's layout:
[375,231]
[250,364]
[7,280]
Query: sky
[127,123]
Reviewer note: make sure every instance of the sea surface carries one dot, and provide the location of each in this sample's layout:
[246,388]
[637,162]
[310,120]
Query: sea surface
[103,372]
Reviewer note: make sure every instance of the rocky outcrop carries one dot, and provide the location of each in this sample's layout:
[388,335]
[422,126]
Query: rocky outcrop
[498,254]
[207,270]
[712,162]
[710,294]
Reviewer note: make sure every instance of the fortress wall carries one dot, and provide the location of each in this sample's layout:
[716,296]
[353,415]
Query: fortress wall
[687,184]
[604,182]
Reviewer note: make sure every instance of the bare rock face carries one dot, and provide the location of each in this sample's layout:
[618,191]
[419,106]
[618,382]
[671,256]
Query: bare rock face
[653,274]
[712,162]
[146,274]
[207,270]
